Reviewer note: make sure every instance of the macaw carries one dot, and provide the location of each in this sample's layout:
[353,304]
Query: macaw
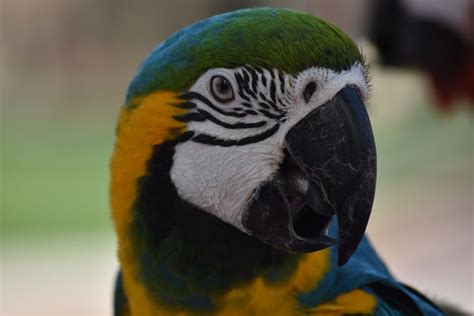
[243,149]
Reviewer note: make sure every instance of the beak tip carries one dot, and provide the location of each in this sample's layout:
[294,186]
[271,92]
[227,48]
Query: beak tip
[343,257]
[349,239]
[341,262]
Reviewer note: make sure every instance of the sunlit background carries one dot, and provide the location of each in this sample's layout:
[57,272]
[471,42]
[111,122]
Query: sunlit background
[64,71]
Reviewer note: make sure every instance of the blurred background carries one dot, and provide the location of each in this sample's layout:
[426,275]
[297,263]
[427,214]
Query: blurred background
[64,71]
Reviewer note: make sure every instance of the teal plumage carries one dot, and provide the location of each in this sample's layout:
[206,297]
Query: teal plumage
[367,271]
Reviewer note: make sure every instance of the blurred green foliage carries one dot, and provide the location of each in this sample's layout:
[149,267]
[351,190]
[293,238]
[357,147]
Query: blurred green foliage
[55,177]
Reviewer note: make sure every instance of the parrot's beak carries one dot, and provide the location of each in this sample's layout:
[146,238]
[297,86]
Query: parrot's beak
[329,168]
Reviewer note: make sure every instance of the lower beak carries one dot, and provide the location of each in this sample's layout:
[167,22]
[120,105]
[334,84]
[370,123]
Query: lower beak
[332,152]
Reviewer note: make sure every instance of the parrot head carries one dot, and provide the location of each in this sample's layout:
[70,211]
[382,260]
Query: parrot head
[255,118]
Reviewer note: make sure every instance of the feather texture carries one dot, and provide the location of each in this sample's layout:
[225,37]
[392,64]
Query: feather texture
[264,37]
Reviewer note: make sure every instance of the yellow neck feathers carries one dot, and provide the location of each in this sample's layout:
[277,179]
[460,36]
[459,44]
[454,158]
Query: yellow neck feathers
[149,122]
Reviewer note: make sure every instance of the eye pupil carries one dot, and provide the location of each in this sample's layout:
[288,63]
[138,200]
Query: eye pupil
[221,89]
[223,85]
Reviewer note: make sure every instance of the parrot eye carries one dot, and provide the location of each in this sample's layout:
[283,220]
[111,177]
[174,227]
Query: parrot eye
[221,89]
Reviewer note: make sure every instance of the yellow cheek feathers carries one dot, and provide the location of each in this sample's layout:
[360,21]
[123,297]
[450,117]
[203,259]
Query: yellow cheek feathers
[149,121]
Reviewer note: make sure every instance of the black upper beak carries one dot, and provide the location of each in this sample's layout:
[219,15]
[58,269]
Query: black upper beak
[333,150]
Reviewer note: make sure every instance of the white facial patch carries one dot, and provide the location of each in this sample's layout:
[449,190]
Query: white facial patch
[239,145]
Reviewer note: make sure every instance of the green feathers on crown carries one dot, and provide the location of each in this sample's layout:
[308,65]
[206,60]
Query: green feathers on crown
[265,37]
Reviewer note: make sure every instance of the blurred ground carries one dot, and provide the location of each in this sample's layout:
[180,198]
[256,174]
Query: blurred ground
[62,79]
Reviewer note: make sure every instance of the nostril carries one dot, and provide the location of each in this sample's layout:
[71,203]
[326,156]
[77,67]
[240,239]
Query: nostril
[309,90]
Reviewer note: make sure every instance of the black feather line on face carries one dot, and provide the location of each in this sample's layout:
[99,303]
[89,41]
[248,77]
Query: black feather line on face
[186,105]
[243,84]
[213,140]
[264,105]
[191,116]
[273,91]
[264,80]
[281,102]
[269,103]
[282,82]
[259,70]
[248,76]
[238,125]
[195,95]
[275,107]
[271,115]
[251,112]
[254,76]
[243,95]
